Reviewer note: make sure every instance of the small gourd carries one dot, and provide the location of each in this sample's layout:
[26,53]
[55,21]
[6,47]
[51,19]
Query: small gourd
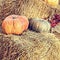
[39,25]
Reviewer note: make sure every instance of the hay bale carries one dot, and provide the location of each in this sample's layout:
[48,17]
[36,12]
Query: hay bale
[29,46]
[29,8]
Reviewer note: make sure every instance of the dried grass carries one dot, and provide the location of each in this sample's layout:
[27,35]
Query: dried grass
[29,46]
[29,8]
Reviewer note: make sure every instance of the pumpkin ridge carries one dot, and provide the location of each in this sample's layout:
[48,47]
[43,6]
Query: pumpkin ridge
[12,28]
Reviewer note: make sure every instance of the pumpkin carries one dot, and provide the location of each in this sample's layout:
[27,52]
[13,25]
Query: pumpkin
[25,22]
[14,24]
[52,2]
[39,25]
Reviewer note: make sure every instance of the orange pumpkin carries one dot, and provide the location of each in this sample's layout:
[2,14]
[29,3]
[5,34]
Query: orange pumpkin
[25,22]
[14,24]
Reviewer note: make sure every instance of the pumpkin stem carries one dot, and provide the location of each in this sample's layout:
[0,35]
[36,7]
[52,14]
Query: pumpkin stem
[14,17]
